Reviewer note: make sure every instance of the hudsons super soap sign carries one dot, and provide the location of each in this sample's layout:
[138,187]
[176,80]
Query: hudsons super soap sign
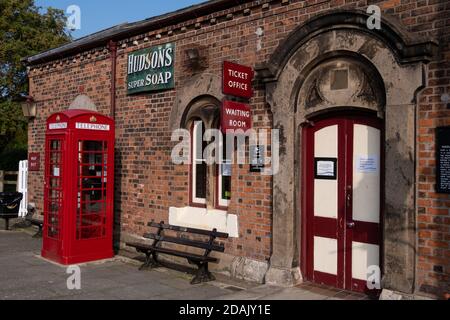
[151,69]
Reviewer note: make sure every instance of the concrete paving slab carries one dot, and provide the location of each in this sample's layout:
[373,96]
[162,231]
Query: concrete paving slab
[25,275]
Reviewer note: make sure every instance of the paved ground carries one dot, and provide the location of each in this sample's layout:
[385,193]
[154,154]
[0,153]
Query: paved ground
[27,276]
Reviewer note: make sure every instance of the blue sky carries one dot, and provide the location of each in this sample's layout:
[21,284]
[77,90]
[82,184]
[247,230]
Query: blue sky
[97,15]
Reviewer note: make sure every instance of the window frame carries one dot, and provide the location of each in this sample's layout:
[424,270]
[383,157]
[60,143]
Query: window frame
[221,203]
[205,109]
[194,201]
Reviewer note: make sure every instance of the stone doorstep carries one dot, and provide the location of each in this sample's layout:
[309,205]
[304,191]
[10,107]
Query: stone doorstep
[397,296]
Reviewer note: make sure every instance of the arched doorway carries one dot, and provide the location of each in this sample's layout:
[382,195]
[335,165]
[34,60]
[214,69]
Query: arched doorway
[341,172]
[331,63]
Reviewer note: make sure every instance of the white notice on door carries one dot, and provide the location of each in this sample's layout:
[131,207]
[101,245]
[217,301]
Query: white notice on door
[325,169]
[368,164]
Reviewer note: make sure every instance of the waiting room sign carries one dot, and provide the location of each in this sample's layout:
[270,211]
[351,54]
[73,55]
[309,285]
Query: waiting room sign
[151,69]
[236,116]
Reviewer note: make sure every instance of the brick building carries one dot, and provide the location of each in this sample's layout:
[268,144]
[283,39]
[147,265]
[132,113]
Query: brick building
[322,76]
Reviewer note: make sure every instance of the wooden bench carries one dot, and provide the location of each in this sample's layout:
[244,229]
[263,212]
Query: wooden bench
[151,250]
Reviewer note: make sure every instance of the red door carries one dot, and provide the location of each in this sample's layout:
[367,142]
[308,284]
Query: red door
[53,206]
[93,231]
[342,202]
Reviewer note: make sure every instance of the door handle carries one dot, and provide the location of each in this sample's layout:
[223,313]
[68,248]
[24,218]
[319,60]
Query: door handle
[351,225]
[349,196]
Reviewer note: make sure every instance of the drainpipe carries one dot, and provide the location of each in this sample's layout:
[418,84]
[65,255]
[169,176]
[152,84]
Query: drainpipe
[112,46]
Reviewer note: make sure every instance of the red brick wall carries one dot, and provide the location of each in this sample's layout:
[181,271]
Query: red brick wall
[147,181]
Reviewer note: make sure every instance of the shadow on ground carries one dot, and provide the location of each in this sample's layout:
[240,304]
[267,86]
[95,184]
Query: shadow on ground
[25,275]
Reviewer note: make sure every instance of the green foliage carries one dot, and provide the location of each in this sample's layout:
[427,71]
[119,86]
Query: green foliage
[24,31]
[10,158]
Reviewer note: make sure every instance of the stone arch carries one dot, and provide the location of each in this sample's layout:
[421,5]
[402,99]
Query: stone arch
[204,87]
[398,59]
[407,47]
[204,107]
[366,89]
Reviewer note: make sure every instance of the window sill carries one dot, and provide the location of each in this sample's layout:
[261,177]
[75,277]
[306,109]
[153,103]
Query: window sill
[201,218]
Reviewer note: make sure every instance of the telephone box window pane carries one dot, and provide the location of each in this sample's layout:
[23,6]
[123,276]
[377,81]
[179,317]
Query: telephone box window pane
[92,173]
[55,183]
[54,193]
[91,233]
[55,171]
[90,196]
[92,183]
[96,146]
[54,208]
[53,232]
[93,207]
[55,158]
[55,145]
[92,159]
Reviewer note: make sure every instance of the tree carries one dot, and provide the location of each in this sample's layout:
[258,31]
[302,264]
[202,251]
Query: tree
[24,31]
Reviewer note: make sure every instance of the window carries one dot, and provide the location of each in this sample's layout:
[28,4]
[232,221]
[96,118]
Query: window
[199,167]
[224,178]
[210,185]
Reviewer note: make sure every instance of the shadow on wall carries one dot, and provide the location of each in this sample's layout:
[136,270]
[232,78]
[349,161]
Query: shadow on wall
[441,75]
[400,229]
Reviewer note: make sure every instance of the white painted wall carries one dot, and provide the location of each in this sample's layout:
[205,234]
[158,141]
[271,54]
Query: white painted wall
[200,218]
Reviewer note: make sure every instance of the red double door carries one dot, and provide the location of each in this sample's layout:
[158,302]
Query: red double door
[342,202]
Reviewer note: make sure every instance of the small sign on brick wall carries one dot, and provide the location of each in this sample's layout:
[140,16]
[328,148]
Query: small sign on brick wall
[236,116]
[34,162]
[443,160]
[237,80]
[151,69]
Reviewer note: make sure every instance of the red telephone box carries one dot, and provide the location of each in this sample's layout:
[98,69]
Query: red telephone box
[79,187]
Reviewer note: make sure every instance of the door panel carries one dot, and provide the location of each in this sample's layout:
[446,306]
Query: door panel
[325,255]
[366,174]
[343,210]
[363,256]
[326,146]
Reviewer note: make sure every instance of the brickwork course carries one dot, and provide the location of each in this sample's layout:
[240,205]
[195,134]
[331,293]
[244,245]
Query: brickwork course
[148,183]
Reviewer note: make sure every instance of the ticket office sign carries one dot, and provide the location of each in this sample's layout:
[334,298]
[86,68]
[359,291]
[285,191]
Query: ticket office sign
[237,80]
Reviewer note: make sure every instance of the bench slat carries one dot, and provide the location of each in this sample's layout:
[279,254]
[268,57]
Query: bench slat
[188,230]
[186,242]
[180,254]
